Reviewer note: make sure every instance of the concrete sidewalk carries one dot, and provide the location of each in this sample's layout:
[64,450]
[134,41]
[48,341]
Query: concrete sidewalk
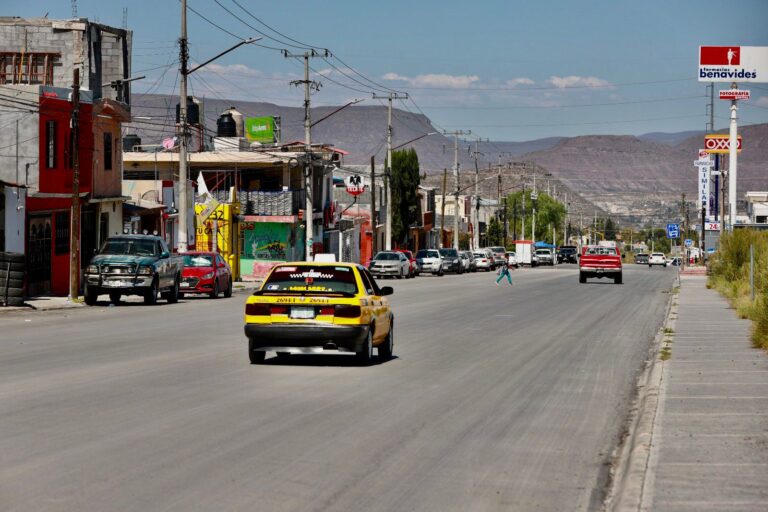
[709,446]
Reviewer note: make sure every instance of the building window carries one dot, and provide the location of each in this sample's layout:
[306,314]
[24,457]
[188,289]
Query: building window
[50,144]
[107,151]
[61,244]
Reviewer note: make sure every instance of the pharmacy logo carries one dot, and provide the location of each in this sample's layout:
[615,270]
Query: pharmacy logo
[720,56]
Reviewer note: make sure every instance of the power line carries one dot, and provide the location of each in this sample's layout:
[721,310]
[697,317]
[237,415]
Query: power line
[514,107]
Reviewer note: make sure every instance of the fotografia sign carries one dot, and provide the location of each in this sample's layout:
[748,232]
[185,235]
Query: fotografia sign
[733,64]
[720,143]
[734,94]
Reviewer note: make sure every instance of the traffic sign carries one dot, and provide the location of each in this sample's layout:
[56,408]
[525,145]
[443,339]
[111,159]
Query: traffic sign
[673,230]
[688,242]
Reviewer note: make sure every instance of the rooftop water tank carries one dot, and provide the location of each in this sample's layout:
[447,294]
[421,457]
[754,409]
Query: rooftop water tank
[130,141]
[226,126]
[239,120]
[193,111]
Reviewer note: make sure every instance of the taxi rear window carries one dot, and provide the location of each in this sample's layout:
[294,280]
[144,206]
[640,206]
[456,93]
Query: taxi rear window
[310,280]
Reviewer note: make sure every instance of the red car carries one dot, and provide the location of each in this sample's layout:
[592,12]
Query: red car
[205,272]
[414,268]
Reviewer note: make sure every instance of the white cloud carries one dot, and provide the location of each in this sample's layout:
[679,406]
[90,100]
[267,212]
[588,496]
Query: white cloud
[762,101]
[435,80]
[238,69]
[564,82]
[519,81]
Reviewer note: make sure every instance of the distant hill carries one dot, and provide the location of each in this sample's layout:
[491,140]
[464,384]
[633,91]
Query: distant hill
[632,177]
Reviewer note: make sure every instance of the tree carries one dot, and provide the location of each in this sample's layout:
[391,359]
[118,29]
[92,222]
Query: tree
[610,230]
[495,232]
[405,182]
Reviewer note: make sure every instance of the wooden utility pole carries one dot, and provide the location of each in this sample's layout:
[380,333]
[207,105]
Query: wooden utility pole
[74,220]
[374,217]
[442,210]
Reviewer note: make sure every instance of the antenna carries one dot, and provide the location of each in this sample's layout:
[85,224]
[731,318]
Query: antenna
[74,8]
[125,18]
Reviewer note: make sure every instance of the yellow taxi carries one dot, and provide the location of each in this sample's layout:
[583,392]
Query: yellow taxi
[313,307]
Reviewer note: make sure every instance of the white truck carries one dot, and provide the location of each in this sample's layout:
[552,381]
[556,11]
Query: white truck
[526,253]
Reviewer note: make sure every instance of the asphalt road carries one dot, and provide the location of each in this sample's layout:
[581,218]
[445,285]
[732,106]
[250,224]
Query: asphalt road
[507,398]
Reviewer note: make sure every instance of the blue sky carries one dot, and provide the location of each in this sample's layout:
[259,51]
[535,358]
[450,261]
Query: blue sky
[507,70]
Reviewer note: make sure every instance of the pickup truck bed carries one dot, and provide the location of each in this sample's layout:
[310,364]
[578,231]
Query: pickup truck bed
[599,261]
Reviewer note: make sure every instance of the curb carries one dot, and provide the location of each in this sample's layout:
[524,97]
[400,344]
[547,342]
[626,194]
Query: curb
[628,477]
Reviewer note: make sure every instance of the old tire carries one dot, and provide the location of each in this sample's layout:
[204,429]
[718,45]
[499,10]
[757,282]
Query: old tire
[386,348]
[11,283]
[365,354]
[14,301]
[12,257]
[13,266]
[13,274]
[255,356]
[150,296]
[228,291]
[11,292]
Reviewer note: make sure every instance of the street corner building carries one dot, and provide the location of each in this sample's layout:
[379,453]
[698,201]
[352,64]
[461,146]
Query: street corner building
[42,153]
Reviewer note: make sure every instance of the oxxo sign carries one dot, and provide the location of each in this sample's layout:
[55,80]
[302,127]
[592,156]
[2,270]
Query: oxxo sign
[719,143]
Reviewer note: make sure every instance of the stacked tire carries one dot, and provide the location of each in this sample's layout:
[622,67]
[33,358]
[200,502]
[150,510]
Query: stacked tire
[12,270]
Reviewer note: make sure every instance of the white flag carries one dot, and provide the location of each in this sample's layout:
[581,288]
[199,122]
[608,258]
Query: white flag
[202,188]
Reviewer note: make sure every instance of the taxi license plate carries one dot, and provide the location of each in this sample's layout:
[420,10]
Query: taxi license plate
[302,312]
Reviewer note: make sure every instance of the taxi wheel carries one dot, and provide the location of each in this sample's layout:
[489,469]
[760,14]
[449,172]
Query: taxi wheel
[386,348]
[215,293]
[365,354]
[255,356]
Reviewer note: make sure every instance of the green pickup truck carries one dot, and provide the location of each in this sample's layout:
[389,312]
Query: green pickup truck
[133,265]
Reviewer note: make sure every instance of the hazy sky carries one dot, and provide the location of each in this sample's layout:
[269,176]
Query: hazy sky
[507,70]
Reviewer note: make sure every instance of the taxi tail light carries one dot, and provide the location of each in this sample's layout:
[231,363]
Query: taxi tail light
[257,309]
[328,310]
[279,310]
[348,311]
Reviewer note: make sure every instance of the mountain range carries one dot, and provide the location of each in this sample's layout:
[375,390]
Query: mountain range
[634,177]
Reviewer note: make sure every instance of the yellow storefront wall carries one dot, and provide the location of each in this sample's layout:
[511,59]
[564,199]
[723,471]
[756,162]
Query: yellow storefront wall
[224,215]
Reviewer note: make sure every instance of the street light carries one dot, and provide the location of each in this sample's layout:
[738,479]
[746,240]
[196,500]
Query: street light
[414,140]
[184,72]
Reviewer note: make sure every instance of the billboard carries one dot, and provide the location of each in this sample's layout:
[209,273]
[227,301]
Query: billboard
[733,64]
[260,129]
[720,143]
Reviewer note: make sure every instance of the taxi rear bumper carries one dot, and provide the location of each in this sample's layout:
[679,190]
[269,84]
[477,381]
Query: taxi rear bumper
[306,338]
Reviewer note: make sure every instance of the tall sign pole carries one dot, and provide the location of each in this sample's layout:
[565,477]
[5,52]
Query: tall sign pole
[732,163]
[456,182]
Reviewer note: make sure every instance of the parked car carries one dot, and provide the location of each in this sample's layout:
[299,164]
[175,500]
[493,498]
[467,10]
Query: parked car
[512,259]
[205,272]
[657,258]
[319,308]
[483,261]
[412,260]
[133,265]
[675,262]
[641,258]
[499,255]
[390,264]
[451,260]
[568,254]
[544,257]
[430,260]
[468,261]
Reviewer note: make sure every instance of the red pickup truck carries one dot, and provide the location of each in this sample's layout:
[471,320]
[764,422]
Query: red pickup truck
[599,261]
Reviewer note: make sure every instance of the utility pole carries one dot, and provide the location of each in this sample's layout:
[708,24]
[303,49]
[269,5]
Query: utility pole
[309,85]
[534,196]
[374,217]
[183,172]
[388,168]
[456,180]
[442,209]
[523,223]
[476,224]
[74,221]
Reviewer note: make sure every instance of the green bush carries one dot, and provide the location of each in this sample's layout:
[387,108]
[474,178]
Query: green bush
[729,274]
